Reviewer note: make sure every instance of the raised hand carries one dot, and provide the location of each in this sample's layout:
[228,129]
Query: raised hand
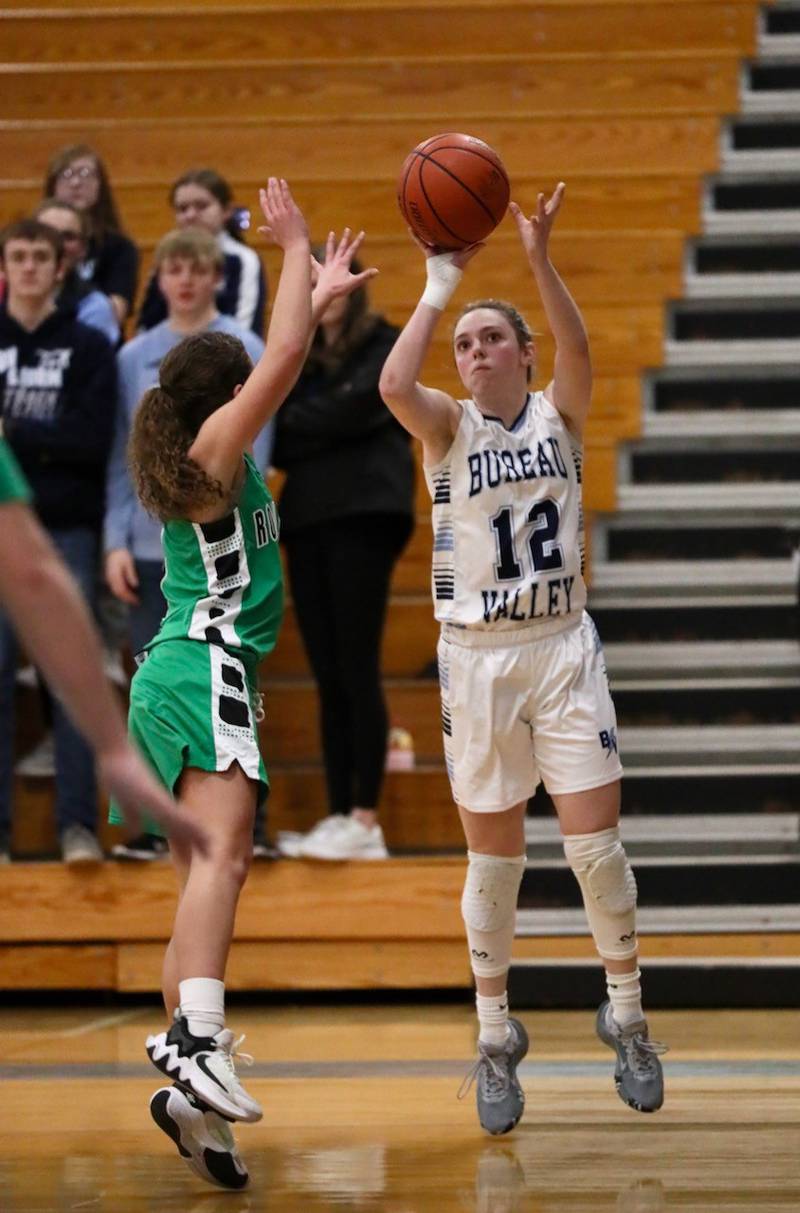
[457,257]
[285,222]
[535,232]
[332,277]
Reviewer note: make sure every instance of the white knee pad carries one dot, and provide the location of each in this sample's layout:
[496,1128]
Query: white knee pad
[489,909]
[608,886]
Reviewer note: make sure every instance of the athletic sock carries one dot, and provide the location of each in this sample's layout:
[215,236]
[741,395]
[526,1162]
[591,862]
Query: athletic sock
[203,1005]
[625,996]
[493,1018]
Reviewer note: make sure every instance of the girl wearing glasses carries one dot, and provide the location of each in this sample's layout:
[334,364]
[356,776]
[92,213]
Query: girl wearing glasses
[76,174]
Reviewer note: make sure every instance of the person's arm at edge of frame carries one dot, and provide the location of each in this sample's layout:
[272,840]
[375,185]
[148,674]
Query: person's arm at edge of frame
[35,589]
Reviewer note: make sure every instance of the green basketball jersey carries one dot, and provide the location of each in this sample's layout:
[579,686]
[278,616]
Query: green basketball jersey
[13,485]
[223,581]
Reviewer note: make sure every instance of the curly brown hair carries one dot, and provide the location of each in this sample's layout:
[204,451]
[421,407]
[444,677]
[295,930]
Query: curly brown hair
[196,378]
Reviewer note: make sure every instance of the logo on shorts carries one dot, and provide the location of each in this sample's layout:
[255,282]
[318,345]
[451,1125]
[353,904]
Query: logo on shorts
[608,740]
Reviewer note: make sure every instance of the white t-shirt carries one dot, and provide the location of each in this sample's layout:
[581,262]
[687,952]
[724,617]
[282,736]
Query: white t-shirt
[507,519]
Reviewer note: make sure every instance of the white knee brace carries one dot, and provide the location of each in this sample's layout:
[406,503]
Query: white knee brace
[489,909]
[609,890]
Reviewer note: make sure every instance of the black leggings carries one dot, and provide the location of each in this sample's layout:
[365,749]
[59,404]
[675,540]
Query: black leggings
[339,574]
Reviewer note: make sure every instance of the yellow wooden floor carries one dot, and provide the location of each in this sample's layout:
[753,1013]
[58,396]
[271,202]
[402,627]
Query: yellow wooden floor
[361,1114]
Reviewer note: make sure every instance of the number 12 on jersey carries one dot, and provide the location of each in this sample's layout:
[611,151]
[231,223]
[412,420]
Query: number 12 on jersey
[546,553]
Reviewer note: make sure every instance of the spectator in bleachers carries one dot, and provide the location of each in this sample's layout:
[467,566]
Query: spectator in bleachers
[347,511]
[57,395]
[76,174]
[92,306]
[202,198]
[189,264]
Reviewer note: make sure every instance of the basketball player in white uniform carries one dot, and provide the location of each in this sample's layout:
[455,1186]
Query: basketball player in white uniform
[524,689]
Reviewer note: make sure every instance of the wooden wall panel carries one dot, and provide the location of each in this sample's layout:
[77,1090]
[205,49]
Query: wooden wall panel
[363,150]
[58,967]
[430,93]
[600,268]
[317,965]
[292,900]
[84,35]
[601,203]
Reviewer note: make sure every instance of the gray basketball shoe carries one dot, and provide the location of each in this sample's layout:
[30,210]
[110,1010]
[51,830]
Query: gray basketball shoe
[638,1073]
[499,1096]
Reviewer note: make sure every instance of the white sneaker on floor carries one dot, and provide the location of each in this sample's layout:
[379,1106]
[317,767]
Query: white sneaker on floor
[351,840]
[80,846]
[289,842]
[40,762]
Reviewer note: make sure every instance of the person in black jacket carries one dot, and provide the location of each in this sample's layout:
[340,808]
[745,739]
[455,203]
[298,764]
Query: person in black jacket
[57,394]
[347,511]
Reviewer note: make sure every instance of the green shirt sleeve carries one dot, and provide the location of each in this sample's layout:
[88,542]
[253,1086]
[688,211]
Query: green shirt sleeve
[13,485]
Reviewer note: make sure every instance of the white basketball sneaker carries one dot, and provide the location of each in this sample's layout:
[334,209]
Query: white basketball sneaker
[204,1064]
[349,840]
[290,841]
[203,1137]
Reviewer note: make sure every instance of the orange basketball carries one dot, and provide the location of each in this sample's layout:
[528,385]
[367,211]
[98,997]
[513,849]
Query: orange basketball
[453,190]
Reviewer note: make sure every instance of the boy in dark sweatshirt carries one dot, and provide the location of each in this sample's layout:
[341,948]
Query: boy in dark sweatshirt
[57,394]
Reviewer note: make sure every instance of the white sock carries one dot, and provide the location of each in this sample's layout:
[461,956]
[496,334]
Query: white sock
[493,1018]
[625,996]
[203,1005]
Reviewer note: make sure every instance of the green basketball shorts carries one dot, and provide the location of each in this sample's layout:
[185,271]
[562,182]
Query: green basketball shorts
[191,705]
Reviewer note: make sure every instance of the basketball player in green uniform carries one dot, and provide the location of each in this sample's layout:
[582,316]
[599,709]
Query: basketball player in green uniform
[194,700]
[35,588]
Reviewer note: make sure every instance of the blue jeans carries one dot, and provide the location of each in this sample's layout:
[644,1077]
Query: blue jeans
[76,787]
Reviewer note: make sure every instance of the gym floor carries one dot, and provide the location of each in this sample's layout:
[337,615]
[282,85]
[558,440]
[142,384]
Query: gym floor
[361,1113]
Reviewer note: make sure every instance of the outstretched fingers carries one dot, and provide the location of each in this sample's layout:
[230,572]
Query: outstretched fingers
[285,224]
[555,200]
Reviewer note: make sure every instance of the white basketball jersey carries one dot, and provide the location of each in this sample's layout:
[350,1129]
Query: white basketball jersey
[508,539]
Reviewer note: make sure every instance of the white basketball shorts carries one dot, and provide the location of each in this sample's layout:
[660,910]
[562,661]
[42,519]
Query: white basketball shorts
[517,710]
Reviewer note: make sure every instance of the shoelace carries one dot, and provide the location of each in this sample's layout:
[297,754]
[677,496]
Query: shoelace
[640,1051]
[230,1052]
[257,701]
[496,1077]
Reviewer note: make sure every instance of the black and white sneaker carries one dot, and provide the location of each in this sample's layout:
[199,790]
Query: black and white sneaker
[204,1065]
[203,1137]
[142,849]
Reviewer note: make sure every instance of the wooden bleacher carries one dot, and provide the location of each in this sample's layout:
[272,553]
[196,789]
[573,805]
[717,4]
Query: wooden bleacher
[622,99]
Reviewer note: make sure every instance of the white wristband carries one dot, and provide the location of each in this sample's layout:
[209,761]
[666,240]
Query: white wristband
[443,278]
